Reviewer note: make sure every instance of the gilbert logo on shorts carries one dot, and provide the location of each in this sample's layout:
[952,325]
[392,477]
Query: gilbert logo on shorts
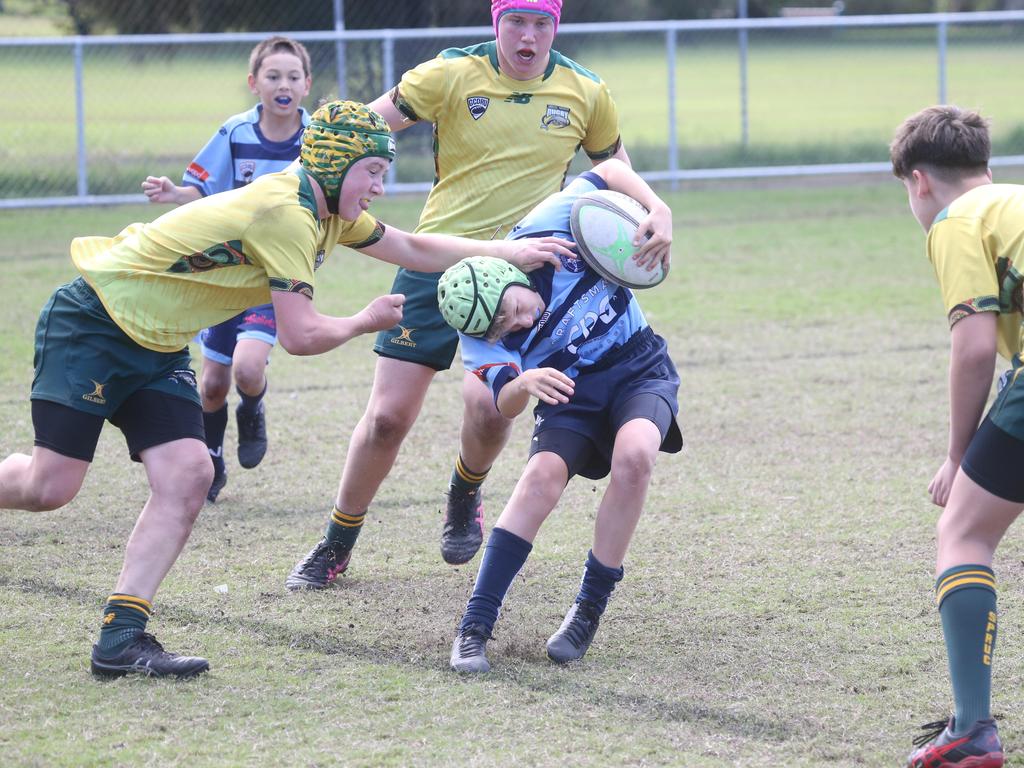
[405,337]
[96,396]
[477,106]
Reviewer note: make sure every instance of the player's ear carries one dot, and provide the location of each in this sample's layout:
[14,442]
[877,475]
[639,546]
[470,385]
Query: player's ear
[921,182]
[252,82]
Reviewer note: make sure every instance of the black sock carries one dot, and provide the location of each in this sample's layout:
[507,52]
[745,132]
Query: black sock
[251,402]
[215,422]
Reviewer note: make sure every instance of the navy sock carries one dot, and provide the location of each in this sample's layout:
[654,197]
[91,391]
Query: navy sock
[215,422]
[966,595]
[503,556]
[598,582]
[251,402]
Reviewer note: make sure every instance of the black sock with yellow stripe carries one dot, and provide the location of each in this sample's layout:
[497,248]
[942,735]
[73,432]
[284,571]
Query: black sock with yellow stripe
[124,619]
[464,480]
[344,528]
[966,595]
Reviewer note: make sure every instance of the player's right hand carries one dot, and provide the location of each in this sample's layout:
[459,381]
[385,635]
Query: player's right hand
[159,189]
[547,384]
[383,312]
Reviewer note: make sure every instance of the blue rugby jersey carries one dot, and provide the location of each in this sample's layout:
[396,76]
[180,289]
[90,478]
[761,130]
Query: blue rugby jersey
[239,153]
[585,318]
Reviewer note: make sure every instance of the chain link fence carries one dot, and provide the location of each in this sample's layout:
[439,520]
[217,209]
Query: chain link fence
[88,117]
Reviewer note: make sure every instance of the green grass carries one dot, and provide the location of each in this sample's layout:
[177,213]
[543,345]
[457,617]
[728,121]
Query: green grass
[812,98]
[777,607]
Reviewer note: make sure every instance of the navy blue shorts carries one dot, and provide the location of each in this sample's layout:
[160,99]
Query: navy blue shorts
[218,342]
[624,385]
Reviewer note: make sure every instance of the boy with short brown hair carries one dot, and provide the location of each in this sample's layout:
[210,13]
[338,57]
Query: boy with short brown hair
[976,245]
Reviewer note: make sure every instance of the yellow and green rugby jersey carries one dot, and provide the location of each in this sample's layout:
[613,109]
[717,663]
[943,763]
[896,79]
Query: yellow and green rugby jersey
[205,262]
[502,145]
[977,248]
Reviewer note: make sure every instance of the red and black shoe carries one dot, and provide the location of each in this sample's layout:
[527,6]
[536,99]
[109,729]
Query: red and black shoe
[939,748]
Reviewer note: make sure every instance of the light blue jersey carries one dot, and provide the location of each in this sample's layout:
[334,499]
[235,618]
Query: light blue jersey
[585,318]
[239,153]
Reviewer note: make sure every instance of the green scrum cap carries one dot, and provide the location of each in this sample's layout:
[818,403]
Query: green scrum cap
[470,292]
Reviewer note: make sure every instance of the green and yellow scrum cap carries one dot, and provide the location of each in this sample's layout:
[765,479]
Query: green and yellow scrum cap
[340,133]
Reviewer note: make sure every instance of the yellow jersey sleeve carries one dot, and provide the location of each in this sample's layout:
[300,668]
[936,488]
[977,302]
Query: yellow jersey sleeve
[602,139]
[284,243]
[362,232]
[422,91]
[966,273]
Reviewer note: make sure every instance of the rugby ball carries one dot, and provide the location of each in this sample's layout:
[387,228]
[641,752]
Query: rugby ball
[603,224]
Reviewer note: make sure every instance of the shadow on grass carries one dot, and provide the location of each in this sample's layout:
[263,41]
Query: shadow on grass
[554,682]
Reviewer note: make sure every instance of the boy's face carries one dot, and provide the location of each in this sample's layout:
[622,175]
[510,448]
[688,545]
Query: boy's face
[281,84]
[521,308]
[363,182]
[524,42]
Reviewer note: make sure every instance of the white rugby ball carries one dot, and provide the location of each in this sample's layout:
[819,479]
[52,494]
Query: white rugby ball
[604,223]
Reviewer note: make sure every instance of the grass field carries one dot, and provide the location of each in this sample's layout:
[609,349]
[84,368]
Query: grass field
[812,98]
[777,607]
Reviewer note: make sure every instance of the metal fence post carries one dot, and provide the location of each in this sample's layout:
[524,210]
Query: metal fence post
[673,130]
[942,30]
[83,167]
[387,50]
[743,45]
[339,49]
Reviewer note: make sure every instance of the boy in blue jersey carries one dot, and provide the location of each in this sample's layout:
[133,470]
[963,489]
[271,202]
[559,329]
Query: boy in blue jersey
[606,390]
[265,139]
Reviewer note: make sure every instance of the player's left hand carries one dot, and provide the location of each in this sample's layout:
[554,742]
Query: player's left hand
[549,385]
[532,253]
[941,484]
[657,248]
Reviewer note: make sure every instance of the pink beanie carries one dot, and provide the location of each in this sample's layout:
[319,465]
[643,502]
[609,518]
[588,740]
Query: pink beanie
[552,8]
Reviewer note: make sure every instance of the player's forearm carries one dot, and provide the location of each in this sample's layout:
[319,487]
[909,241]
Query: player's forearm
[186,194]
[435,253]
[513,399]
[970,379]
[622,178]
[319,334]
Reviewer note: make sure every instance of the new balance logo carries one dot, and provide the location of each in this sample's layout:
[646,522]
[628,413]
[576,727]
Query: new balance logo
[519,98]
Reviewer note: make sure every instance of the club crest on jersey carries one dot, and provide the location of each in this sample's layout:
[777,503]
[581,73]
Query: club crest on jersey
[572,263]
[555,117]
[247,168]
[477,106]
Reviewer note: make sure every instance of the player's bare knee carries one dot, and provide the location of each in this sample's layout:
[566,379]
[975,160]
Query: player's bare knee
[542,483]
[953,526]
[188,479]
[53,493]
[249,376]
[389,428]
[633,465]
[486,422]
[214,390]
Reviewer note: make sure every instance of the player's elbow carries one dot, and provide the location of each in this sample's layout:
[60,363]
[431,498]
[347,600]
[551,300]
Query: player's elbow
[294,343]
